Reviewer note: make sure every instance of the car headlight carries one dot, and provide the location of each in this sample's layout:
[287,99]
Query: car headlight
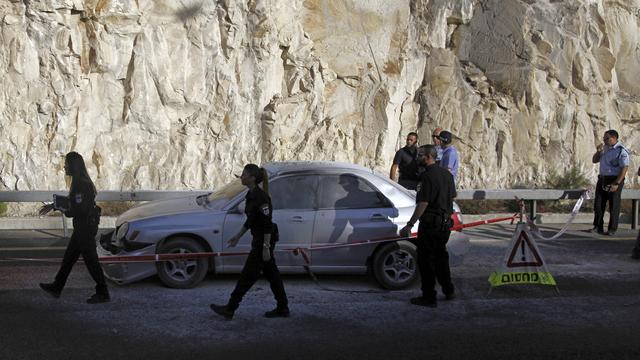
[122,231]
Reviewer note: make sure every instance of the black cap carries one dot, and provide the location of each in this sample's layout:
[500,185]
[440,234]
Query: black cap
[445,137]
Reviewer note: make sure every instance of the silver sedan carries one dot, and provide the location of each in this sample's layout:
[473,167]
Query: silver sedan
[323,205]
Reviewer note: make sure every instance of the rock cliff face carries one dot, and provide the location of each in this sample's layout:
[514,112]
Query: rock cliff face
[179,94]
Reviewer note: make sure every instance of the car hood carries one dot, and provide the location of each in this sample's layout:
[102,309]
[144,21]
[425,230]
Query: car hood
[156,208]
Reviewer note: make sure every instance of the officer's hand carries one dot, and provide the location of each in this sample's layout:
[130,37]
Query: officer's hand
[233,241]
[45,209]
[613,188]
[406,231]
[266,253]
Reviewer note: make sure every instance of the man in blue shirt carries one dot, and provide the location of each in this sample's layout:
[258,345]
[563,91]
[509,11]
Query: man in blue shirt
[614,162]
[450,159]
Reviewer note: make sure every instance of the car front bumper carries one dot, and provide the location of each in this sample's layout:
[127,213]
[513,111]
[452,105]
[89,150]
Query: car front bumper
[126,272]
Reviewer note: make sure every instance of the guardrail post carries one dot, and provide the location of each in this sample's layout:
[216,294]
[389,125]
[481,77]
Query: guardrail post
[634,214]
[534,211]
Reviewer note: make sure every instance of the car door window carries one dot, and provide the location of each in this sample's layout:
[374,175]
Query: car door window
[294,192]
[347,191]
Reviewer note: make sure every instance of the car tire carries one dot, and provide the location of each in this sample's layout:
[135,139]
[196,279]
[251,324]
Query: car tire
[182,274]
[395,265]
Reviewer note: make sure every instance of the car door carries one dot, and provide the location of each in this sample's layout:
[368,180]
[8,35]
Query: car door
[294,200]
[294,204]
[351,210]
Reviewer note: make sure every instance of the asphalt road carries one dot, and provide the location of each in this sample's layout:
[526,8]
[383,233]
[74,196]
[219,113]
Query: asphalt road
[595,316]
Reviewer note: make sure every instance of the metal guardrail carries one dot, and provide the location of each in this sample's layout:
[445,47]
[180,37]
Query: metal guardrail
[107,195]
[533,195]
[529,195]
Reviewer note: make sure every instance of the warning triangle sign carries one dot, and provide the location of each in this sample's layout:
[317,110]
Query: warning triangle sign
[524,253]
[522,263]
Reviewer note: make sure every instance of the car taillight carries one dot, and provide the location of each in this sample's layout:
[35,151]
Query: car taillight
[457,218]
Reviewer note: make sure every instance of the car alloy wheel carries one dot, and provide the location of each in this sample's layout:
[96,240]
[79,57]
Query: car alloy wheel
[395,265]
[182,273]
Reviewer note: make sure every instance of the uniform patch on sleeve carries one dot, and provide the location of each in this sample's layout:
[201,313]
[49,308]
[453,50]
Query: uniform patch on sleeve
[265,209]
[78,198]
[418,187]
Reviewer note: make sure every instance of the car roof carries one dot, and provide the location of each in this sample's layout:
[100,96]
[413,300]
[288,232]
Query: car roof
[283,167]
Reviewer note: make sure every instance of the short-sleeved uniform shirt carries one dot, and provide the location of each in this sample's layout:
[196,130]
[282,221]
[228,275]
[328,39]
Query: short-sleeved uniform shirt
[406,160]
[613,159]
[450,160]
[259,212]
[438,190]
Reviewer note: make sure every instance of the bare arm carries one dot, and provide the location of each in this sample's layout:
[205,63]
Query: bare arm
[598,153]
[417,213]
[234,240]
[622,174]
[394,172]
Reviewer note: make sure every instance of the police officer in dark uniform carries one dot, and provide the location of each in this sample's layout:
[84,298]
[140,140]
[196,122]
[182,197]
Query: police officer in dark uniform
[259,211]
[81,206]
[405,161]
[436,192]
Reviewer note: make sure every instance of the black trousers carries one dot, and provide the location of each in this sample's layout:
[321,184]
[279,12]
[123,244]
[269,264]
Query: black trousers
[601,200]
[250,274]
[636,248]
[433,261]
[82,243]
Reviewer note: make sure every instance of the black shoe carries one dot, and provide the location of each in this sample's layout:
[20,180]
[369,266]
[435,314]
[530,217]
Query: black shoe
[98,299]
[277,312]
[596,230]
[635,255]
[50,289]
[423,301]
[611,233]
[222,310]
[450,296]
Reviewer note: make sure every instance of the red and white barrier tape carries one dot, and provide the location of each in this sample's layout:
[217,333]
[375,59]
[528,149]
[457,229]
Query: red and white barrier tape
[576,208]
[295,251]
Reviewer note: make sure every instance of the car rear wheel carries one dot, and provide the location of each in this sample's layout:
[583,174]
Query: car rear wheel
[395,265]
[182,273]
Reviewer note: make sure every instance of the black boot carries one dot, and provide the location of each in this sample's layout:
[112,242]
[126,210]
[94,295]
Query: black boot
[423,301]
[223,310]
[98,298]
[278,312]
[51,289]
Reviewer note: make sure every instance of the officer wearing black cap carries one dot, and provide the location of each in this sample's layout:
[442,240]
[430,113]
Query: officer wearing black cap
[449,159]
[259,211]
[405,161]
[434,207]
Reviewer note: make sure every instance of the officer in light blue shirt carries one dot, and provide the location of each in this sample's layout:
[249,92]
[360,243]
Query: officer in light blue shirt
[450,159]
[614,162]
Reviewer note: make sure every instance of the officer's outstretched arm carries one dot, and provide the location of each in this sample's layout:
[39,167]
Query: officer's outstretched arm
[234,240]
[417,213]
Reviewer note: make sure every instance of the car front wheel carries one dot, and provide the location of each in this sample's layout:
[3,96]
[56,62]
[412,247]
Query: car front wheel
[182,273]
[395,265]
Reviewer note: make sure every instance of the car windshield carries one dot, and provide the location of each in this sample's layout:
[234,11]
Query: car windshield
[220,197]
